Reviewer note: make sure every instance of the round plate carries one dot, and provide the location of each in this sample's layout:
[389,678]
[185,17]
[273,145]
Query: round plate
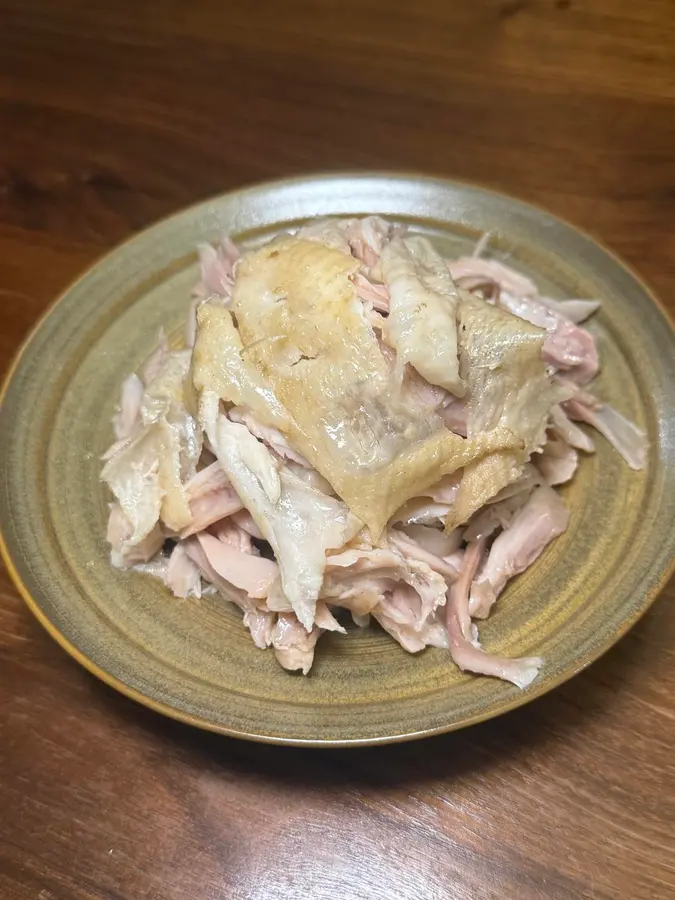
[193,659]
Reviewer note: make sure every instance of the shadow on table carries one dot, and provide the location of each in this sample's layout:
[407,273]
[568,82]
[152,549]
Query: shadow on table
[549,719]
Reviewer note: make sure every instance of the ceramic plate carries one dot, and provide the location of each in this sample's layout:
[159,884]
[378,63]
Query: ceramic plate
[193,659]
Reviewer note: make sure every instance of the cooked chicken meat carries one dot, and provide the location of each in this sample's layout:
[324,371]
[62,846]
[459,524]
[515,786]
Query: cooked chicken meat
[355,423]
[422,322]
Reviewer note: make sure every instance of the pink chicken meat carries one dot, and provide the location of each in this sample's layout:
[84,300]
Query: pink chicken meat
[355,426]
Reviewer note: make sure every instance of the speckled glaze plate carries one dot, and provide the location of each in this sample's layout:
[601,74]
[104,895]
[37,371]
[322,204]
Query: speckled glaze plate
[193,659]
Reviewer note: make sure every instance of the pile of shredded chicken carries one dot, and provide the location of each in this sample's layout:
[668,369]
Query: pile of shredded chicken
[355,423]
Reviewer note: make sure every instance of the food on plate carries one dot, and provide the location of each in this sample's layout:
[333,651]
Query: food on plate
[354,425]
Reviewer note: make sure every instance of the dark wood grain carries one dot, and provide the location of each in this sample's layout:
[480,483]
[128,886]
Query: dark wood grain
[113,114]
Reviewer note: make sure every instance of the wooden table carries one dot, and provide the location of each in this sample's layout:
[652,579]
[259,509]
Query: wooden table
[113,114]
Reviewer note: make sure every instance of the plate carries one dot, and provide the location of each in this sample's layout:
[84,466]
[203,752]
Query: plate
[193,660]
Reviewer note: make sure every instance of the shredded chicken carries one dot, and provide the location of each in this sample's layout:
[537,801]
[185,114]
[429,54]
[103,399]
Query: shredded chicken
[434,541]
[307,339]
[543,518]
[510,388]
[567,347]
[271,436]
[299,522]
[354,423]
[626,438]
[570,433]
[463,638]
[558,461]
[253,574]
[124,551]
[182,573]
[386,569]
[211,498]
[293,646]
[412,550]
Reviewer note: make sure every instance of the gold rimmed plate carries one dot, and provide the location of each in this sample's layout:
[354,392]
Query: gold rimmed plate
[193,659]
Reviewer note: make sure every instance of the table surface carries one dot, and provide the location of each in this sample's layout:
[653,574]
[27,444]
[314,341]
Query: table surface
[114,114]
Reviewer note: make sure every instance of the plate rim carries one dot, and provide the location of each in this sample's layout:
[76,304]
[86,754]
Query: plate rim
[205,724]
